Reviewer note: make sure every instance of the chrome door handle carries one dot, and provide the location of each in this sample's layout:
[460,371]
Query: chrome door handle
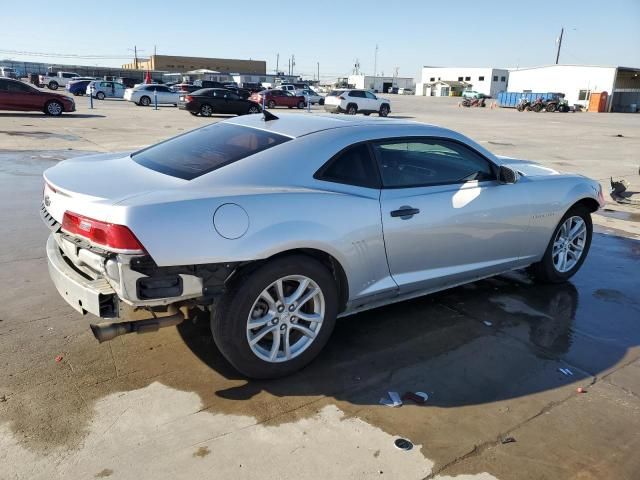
[405,212]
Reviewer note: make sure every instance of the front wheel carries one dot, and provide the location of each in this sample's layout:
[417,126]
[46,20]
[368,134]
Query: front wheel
[568,247]
[271,104]
[278,318]
[551,107]
[301,104]
[384,110]
[537,107]
[53,108]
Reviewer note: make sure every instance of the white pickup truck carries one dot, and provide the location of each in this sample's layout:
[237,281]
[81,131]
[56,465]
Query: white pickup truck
[60,79]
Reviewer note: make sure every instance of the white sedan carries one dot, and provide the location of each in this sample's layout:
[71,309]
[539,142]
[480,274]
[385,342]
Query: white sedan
[145,95]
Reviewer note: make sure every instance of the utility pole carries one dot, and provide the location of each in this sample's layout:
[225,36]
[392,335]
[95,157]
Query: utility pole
[375,62]
[154,50]
[356,67]
[293,63]
[318,72]
[277,62]
[289,71]
[135,56]
[559,45]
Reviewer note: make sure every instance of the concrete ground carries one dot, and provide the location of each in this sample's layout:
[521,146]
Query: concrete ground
[167,405]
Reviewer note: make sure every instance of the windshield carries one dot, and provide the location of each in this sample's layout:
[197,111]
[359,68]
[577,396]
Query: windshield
[206,149]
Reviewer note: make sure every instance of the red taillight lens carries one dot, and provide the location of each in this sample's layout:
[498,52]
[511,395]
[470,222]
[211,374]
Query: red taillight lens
[342,98]
[112,237]
[188,98]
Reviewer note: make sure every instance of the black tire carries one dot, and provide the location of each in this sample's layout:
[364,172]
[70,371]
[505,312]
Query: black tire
[321,102]
[551,107]
[520,108]
[301,104]
[53,108]
[537,107]
[230,315]
[271,104]
[253,109]
[384,110]
[545,270]
[206,110]
[145,101]
[53,85]
[100,95]
[352,109]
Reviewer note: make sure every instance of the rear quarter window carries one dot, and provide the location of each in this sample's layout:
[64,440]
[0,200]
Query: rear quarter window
[206,149]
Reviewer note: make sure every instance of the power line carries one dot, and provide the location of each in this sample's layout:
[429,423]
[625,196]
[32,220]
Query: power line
[25,53]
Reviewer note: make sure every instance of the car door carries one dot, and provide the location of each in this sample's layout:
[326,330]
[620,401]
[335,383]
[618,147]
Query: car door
[359,98]
[107,88]
[5,98]
[119,90]
[234,104]
[446,219]
[372,102]
[23,97]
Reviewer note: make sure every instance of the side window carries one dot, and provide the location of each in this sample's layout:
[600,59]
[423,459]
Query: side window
[357,93]
[428,162]
[4,85]
[370,95]
[352,166]
[17,87]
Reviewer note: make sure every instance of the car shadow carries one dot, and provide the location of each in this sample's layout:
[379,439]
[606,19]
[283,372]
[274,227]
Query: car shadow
[491,340]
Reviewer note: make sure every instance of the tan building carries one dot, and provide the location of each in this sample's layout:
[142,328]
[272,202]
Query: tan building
[171,63]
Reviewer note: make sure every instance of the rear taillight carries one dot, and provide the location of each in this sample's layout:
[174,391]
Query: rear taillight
[117,238]
[342,98]
[188,98]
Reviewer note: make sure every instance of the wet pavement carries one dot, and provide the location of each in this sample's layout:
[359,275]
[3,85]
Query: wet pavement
[167,405]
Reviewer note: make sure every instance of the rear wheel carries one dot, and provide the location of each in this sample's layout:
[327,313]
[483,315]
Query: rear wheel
[568,247]
[271,104]
[277,319]
[100,95]
[206,110]
[384,110]
[53,85]
[537,107]
[352,109]
[145,101]
[53,108]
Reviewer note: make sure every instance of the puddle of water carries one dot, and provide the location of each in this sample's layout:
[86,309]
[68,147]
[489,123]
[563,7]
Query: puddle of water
[619,215]
[41,135]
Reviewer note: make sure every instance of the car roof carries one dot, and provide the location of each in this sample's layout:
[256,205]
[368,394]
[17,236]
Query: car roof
[297,125]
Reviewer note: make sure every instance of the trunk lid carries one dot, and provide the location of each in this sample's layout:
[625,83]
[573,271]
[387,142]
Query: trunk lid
[88,185]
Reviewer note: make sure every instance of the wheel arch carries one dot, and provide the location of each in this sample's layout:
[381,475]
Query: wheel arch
[325,258]
[589,203]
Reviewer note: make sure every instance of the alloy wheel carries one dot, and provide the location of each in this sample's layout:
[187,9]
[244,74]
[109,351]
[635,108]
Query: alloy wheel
[569,244]
[54,108]
[285,319]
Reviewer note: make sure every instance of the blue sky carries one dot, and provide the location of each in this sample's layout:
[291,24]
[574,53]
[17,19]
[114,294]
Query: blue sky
[409,33]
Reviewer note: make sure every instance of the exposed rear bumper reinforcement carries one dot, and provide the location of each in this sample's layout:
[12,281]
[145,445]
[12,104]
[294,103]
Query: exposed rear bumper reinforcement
[109,330]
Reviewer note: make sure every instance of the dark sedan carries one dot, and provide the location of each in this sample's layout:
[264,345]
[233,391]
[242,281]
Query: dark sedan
[209,101]
[20,96]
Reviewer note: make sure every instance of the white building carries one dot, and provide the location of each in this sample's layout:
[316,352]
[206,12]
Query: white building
[378,83]
[577,82]
[489,81]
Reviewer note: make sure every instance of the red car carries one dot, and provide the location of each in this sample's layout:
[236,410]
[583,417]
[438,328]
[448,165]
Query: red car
[279,98]
[20,96]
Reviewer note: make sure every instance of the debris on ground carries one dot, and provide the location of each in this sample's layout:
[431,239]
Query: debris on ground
[59,358]
[508,440]
[566,372]
[487,323]
[619,192]
[392,401]
[416,397]
[3,398]
[403,444]
[581,390]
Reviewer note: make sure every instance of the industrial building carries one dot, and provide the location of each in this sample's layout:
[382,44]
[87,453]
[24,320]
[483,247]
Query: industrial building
[579,82]
[173,63]
[378,83]
[450,81]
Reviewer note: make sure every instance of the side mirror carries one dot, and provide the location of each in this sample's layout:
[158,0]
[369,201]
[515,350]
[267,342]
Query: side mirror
[507,176]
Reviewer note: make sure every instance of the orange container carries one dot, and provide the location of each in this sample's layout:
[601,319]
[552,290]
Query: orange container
[598,102]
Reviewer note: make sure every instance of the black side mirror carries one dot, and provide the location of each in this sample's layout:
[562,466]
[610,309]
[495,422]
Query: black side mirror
[507,176]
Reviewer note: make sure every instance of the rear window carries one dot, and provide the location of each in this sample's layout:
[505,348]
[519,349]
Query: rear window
[206,149]
[335,93]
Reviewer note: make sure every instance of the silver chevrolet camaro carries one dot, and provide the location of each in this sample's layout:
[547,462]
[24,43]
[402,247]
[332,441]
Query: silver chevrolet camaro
[273,227]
